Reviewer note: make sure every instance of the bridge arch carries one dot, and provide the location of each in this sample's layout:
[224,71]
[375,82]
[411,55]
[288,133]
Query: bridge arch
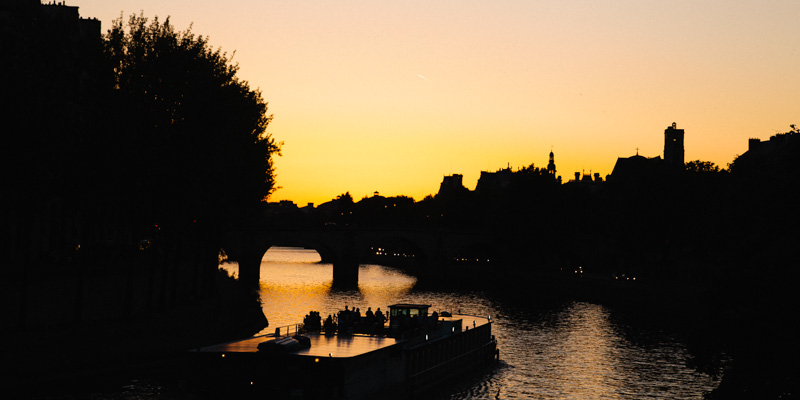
[326,253]
[433,250]
[252,247]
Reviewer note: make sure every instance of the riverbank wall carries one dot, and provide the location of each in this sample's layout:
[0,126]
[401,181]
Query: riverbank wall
[75,322]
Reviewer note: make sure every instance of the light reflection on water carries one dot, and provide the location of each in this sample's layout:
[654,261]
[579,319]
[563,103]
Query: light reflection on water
[569,351]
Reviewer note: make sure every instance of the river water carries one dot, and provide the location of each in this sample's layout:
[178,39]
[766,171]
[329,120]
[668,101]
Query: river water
[568,350]
[572,350]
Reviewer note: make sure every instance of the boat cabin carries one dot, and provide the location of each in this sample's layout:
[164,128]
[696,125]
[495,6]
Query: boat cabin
[404,314]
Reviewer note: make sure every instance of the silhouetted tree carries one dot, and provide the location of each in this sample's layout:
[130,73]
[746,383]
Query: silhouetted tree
[701,166]
[189,136]
[345,197]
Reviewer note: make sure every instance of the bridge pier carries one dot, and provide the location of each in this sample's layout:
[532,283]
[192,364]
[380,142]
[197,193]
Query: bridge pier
[345,267]
[249,258]
[250,271]
[345,274]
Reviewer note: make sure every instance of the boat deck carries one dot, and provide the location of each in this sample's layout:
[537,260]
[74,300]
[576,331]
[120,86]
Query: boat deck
[334,346]
[321,346]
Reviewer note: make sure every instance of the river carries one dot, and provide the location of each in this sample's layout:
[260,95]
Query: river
[564,350]
[568,350]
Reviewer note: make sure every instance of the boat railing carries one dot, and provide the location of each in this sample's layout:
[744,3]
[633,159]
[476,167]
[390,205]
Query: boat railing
[288,330]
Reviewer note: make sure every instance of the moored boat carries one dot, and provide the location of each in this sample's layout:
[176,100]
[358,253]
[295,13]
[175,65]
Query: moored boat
[353,358]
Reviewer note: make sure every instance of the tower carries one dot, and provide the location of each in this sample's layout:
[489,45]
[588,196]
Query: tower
[551,165]
[673,147]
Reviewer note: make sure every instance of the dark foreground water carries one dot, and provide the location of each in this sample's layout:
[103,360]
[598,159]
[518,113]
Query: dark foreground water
[572,350]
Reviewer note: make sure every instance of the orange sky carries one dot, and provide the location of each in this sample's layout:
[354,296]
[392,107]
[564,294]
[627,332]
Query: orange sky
[390,96]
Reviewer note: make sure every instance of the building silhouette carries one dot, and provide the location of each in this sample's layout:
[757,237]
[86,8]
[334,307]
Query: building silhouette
[452,184]
[55,18]
[641,168]
[769,148]
[776,157]
[673,147]
[494,181]
[637,168]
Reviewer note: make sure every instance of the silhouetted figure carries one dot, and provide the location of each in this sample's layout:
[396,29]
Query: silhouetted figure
[380,320]
[346,320]
[370,315]
[433,320]
[312,322]
[329,325]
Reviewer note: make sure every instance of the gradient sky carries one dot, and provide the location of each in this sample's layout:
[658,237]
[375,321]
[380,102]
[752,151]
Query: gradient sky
[390,96]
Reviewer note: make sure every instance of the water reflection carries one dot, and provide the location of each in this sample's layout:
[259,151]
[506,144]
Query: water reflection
[582,354]
[550,351]
[579,351]
[294,282]
[565,351]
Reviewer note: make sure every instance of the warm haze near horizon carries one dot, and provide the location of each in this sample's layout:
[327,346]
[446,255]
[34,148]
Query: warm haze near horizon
[390,96]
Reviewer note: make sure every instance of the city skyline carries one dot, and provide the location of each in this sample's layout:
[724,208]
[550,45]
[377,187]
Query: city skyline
[391,97]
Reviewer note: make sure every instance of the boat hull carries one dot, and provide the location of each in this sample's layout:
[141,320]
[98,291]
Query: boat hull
[343,367]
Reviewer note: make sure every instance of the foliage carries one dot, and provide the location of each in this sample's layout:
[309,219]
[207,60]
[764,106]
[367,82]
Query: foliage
[188,134]
[345,197]
[701,166]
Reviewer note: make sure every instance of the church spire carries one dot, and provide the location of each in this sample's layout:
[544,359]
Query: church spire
[551,165]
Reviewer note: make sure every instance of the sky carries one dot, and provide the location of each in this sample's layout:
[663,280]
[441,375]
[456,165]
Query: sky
[390,96]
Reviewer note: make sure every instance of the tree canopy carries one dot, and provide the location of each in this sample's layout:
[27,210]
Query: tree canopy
[701,166]
[142,126]
[187,133]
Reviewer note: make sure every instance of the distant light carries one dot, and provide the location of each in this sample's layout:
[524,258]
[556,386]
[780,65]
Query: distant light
[316,360]
[426,337]
[223,355]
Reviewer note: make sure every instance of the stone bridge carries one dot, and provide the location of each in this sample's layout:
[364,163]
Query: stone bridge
[428,252]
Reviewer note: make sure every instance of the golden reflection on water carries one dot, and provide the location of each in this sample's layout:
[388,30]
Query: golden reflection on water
[587,365]
[573,351]
[294,282]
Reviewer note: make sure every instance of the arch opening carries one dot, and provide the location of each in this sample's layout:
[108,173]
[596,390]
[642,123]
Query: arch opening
[292,254]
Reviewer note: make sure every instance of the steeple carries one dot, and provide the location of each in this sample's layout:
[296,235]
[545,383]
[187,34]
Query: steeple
[551,165]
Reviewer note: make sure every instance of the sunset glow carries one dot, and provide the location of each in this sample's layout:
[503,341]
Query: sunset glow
[390,96]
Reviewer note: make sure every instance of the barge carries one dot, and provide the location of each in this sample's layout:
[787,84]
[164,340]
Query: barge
[353,358]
